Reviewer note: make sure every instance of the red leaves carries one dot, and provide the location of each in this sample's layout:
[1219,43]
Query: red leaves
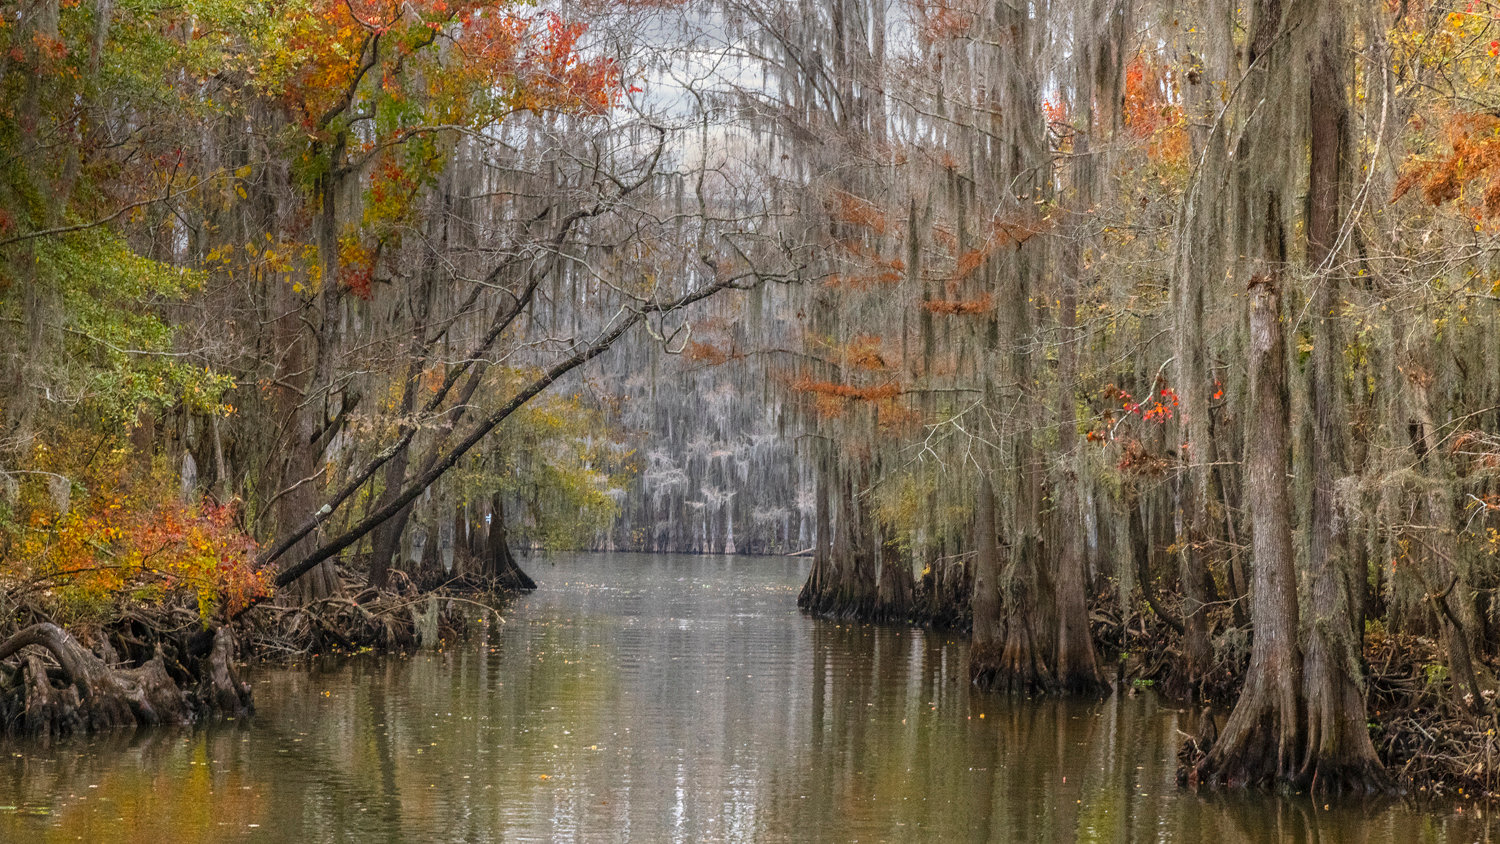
[1162,407]
[1158,408]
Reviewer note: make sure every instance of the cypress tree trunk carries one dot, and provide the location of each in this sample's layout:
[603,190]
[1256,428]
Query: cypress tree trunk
[386,538]
[1025,595]
[1199,254]
[311,428]
[1077,664]
[814,591]
[500,566]
[1262,743]
[985,639]
[1340,752]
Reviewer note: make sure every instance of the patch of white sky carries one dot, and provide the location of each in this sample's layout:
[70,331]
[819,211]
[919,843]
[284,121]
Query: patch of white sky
[693,69]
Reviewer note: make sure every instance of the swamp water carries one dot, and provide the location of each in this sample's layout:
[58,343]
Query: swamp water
[663,698]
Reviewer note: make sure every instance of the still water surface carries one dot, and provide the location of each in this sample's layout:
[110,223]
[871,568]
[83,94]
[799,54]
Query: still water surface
[663,698]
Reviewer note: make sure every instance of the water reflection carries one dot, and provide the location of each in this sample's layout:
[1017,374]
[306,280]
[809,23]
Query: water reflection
[658,698]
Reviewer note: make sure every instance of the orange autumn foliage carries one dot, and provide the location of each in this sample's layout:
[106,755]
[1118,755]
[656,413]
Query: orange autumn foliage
[806,384]
[941,20]
[959,307]
[892,417]
[864,353]
[845,207]
[709,353]
[491,58]
[1473,155]
[1001,233]
[127,537]
[1152,113]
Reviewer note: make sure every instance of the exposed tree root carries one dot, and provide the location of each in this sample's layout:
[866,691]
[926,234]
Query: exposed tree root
[160,667]
[80,693]
[1430,739]
[928,603]
[1015,667]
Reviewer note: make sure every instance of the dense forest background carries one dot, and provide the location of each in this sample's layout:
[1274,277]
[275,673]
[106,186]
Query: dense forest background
[1141,338]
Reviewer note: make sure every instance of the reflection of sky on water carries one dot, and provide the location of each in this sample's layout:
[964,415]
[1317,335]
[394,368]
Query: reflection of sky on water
[641,698]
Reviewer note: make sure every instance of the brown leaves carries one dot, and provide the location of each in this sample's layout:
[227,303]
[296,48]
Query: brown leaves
[959,307]
[1473,154]
[864,353]
[848,208]
[1001,233]
[938,20]
[709,353]
[806,384]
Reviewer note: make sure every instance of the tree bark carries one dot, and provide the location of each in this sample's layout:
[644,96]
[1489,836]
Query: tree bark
[500,565]
[1075,660]
[1262,743]
[96,697]
[986,637]
[1340,753]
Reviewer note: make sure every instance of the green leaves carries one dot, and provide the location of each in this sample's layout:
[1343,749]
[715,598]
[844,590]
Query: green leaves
[118,355]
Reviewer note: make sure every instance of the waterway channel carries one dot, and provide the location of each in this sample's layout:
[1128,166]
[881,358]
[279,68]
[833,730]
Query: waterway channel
[664,698]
